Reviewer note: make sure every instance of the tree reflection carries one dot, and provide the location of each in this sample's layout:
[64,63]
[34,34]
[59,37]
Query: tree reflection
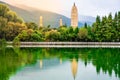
[105,60]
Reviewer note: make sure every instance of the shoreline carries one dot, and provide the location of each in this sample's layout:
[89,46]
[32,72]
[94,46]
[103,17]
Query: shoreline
[68,44]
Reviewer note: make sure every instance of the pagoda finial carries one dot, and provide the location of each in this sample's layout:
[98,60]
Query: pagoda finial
[74,3]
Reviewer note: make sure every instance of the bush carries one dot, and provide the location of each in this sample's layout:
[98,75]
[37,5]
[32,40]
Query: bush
[2,43]
[16,41]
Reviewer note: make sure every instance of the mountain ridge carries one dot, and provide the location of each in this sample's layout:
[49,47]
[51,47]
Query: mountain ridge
[30,14]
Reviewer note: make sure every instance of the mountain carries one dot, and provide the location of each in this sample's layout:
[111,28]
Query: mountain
[87,19]
[49,18]
[32,15]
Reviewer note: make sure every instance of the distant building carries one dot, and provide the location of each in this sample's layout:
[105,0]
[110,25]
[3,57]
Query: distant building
[74,16]
[41,21]
[61,22]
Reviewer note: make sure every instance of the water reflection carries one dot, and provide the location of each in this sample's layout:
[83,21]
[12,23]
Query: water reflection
[105,60]
[60,60]
[74,67]
[41,64]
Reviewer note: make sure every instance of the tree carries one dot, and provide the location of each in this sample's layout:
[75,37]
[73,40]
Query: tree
[85,25]
[52,35]
[119,20]
[13,29]
[31,25]
[118,29]
[3,23]
[63,33]
[104,21]
[9,14]
[3,9]
[98,21]
[30,35]
[83,33]
[70,30]
[115,21]
[76,30]
[90,34]
[12,16]
[110,21]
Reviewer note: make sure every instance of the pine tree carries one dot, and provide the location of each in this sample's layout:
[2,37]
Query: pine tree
[114,28]
[118,29]
[85,25]
[98,21]
[119,20]
[115,21]
[109,20]
[104,21]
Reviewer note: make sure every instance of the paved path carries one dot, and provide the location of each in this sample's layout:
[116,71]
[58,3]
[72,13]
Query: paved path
[69,44]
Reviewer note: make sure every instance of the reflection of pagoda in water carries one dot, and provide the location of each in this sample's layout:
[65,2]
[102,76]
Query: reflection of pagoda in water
[41,64]
[60,60]
[74,67]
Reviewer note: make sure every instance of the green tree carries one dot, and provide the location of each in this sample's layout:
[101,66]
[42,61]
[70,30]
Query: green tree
[70,29]
[3,9]
[63,33]
[30,35]
[85,25]
[104,21]
[31,25]
[115,21]
[83,33]
[13,29]
[52,35]
[110,21]
[76,30]
[118,28]
[12,16]
[3,23]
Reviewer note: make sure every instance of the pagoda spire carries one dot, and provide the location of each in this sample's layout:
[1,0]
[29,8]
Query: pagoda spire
[74,17]
[74,3]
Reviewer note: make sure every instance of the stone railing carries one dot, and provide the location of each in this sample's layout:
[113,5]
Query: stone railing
[69,44]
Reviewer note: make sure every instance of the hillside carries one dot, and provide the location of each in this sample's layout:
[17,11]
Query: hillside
[32,15]
[49,18]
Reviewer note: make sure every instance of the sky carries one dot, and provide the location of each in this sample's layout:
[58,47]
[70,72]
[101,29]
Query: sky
[85,7]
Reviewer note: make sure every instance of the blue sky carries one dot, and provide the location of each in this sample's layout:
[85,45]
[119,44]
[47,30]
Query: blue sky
[85,7]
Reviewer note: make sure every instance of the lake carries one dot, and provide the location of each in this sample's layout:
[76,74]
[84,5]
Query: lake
[59,63]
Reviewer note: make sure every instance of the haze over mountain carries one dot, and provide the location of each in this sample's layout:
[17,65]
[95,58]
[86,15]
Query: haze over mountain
[85,7]
[30,14]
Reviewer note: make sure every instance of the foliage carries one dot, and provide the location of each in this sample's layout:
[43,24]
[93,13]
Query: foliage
[16,41]
[13,29]
[12,59]
[105,29]
[10,23]
[52,35]
[2,43]
[30,35]
[3,9]
[31,25]
[83,33]
[3,23]
[12,16]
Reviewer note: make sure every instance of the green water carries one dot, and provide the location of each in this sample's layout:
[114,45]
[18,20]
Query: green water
[59,64]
